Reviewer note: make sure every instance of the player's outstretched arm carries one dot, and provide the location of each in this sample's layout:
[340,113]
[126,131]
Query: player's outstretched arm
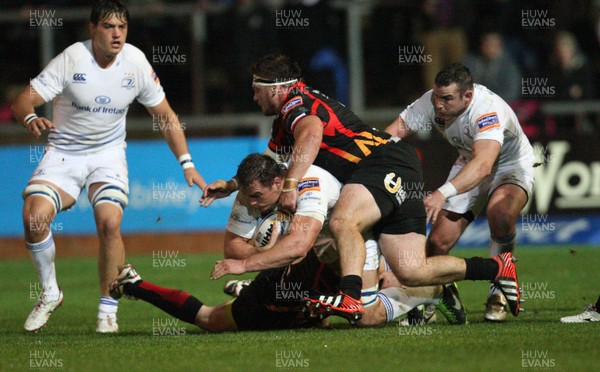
[23,108]
[485,153]
[399,128]
[217,190]
[174,135]
[308,135]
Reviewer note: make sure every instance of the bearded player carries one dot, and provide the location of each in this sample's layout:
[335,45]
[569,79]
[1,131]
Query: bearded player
[494,165]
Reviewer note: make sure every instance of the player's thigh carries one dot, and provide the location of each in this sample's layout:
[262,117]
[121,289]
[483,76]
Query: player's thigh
[64,172]
[404,253]
[446,231]
[356,206]
[504,206]
[108,186]
[510,190]
[108,167]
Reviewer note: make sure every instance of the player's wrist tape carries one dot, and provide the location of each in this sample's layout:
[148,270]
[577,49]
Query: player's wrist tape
[448,190]
[28,119]
[290,184]
[186,161]
[232,185]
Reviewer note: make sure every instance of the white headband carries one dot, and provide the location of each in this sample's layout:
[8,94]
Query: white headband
[269,83]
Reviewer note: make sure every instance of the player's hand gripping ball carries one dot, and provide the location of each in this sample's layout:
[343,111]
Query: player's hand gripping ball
[272,227]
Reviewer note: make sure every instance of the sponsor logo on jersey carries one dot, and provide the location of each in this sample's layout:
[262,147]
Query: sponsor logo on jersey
[103,100]
[488,121]
[79,78]
[308,184]
[128,82]
[296,101]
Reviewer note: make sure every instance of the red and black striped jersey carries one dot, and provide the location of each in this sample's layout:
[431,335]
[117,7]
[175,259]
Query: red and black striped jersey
[346,138]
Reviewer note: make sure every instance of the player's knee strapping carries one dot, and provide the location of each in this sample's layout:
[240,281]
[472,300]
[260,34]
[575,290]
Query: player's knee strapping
[45,191]
[110,194]
[369,295]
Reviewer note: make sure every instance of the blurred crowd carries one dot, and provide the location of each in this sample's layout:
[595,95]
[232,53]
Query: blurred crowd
[529,52]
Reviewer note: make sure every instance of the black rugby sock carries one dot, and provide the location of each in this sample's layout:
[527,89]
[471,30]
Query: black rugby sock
[479,268]
[177,303]
[352,286]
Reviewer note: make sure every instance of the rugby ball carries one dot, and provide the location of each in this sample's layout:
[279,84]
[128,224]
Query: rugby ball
[270,228]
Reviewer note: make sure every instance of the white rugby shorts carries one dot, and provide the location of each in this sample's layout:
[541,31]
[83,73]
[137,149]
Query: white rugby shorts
[476,199]
[73,171]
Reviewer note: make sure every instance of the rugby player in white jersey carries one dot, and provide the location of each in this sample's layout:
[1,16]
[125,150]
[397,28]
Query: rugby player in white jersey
[91,85]
[494,166]
[303,259]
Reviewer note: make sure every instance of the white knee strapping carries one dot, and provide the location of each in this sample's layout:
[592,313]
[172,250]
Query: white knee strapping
[369,296]
[45,191]
[372,256]
[398,302]
[110,194]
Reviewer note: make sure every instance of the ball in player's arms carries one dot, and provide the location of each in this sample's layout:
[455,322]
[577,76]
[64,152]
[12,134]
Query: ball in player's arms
[274,225]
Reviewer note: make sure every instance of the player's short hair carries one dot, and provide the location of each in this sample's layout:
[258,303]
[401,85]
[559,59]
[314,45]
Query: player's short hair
[276,68]
[455,73]
[261,168]
[103,9]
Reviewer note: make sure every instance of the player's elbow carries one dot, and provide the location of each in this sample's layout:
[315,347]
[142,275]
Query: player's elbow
[14,105]
[238,252]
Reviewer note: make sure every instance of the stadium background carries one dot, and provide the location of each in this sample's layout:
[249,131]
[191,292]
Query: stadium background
[369,54]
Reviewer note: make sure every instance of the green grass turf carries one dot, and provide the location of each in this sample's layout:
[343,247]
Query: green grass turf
[559,281]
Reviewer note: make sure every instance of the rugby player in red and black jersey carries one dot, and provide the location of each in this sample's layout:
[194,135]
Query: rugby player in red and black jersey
[382,179]
[345,139]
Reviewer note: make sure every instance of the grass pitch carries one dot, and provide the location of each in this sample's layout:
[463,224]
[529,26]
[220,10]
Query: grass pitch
[557,281]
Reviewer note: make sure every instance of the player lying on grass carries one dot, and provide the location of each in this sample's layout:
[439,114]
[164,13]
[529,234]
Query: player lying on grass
[379,172]
[289,269]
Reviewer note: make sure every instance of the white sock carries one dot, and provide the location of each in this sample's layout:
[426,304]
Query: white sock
[42,255]
[504,244]
[397,302]
[108,306]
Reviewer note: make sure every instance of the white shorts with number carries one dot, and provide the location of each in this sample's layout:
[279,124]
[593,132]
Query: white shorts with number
[73,171]
[476,199]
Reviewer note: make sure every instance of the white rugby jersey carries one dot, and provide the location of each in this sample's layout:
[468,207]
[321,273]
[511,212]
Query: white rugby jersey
[318,191]
[90,103]
[488,116]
